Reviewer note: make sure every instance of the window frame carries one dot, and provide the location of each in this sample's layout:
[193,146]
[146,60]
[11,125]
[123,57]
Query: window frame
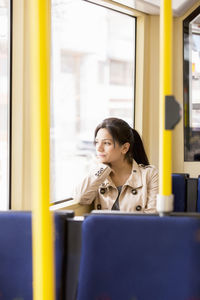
[188,131]
[10,108]
[9,103]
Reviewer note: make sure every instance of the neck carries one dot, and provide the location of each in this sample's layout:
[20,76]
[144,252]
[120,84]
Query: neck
[121,172]
[121,166]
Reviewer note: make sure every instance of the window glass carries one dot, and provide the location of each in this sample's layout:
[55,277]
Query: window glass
[4,102]
[92,67]
[192,86]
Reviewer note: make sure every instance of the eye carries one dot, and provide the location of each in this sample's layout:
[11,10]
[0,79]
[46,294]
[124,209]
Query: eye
[107,143]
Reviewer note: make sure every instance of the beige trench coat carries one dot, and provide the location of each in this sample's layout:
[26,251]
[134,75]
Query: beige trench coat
[138,194]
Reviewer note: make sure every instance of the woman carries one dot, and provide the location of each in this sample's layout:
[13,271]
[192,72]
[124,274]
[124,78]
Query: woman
[123,179]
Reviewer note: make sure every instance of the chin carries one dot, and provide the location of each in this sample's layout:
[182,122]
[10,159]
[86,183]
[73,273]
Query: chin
[102,160]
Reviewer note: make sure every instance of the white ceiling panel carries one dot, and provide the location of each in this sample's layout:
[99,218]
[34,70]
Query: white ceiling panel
[153,6]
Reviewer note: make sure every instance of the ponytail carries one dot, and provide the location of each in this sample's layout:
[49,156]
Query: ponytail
[138,151]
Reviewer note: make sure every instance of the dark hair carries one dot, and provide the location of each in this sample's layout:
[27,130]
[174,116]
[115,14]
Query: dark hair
[122,133]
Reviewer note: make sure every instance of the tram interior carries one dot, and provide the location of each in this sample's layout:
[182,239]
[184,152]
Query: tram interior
[104,255]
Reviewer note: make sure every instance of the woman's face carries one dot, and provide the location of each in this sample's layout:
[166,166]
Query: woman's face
[107,150]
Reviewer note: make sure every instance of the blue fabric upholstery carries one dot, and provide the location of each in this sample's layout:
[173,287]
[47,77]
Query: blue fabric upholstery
[198,195]
[140,258]
[16,255]
[179,191]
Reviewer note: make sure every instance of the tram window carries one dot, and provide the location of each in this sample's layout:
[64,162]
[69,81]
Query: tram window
[4,103]
[191,71]
[92,77]
[120,73]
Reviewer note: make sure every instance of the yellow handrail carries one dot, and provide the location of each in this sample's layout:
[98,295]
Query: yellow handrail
[42,222]
[165,137]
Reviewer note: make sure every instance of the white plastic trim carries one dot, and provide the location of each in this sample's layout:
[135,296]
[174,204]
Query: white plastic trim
[165,203]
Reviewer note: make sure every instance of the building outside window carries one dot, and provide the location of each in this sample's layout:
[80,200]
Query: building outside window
[92,78]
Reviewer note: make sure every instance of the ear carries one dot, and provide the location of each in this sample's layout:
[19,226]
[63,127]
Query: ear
[125,148]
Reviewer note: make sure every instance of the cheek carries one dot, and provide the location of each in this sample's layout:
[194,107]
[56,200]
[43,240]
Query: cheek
[116,152]
[112,150]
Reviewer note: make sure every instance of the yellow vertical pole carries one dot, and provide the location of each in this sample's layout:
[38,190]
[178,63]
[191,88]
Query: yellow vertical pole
[165,197]
[42,222]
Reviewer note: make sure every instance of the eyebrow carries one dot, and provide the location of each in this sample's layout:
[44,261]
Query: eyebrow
[105,139]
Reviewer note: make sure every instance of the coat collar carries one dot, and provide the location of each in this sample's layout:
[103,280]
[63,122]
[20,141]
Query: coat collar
[134,180]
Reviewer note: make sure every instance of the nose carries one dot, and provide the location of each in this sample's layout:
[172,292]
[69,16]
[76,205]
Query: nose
[99,147]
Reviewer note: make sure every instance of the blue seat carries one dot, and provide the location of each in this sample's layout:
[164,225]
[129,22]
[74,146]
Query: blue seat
[140,257]
[16,254]
[179,191]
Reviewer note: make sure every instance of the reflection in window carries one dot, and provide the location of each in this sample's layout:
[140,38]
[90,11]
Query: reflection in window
[93,53]
[4,102]
[191,70]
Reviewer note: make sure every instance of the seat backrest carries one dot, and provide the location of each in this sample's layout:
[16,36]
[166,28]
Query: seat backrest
[192,192]
[140,257]
[179,189]
[16,254]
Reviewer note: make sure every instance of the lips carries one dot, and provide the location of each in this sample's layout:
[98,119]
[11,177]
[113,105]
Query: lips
[101,155]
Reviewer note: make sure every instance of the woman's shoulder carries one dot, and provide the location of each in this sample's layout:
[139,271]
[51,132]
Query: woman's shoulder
[149,174]
[150,169]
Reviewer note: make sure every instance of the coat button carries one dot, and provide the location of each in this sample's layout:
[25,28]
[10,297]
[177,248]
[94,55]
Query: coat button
[138,207]
[102,190]
[134,192]
[98,206]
